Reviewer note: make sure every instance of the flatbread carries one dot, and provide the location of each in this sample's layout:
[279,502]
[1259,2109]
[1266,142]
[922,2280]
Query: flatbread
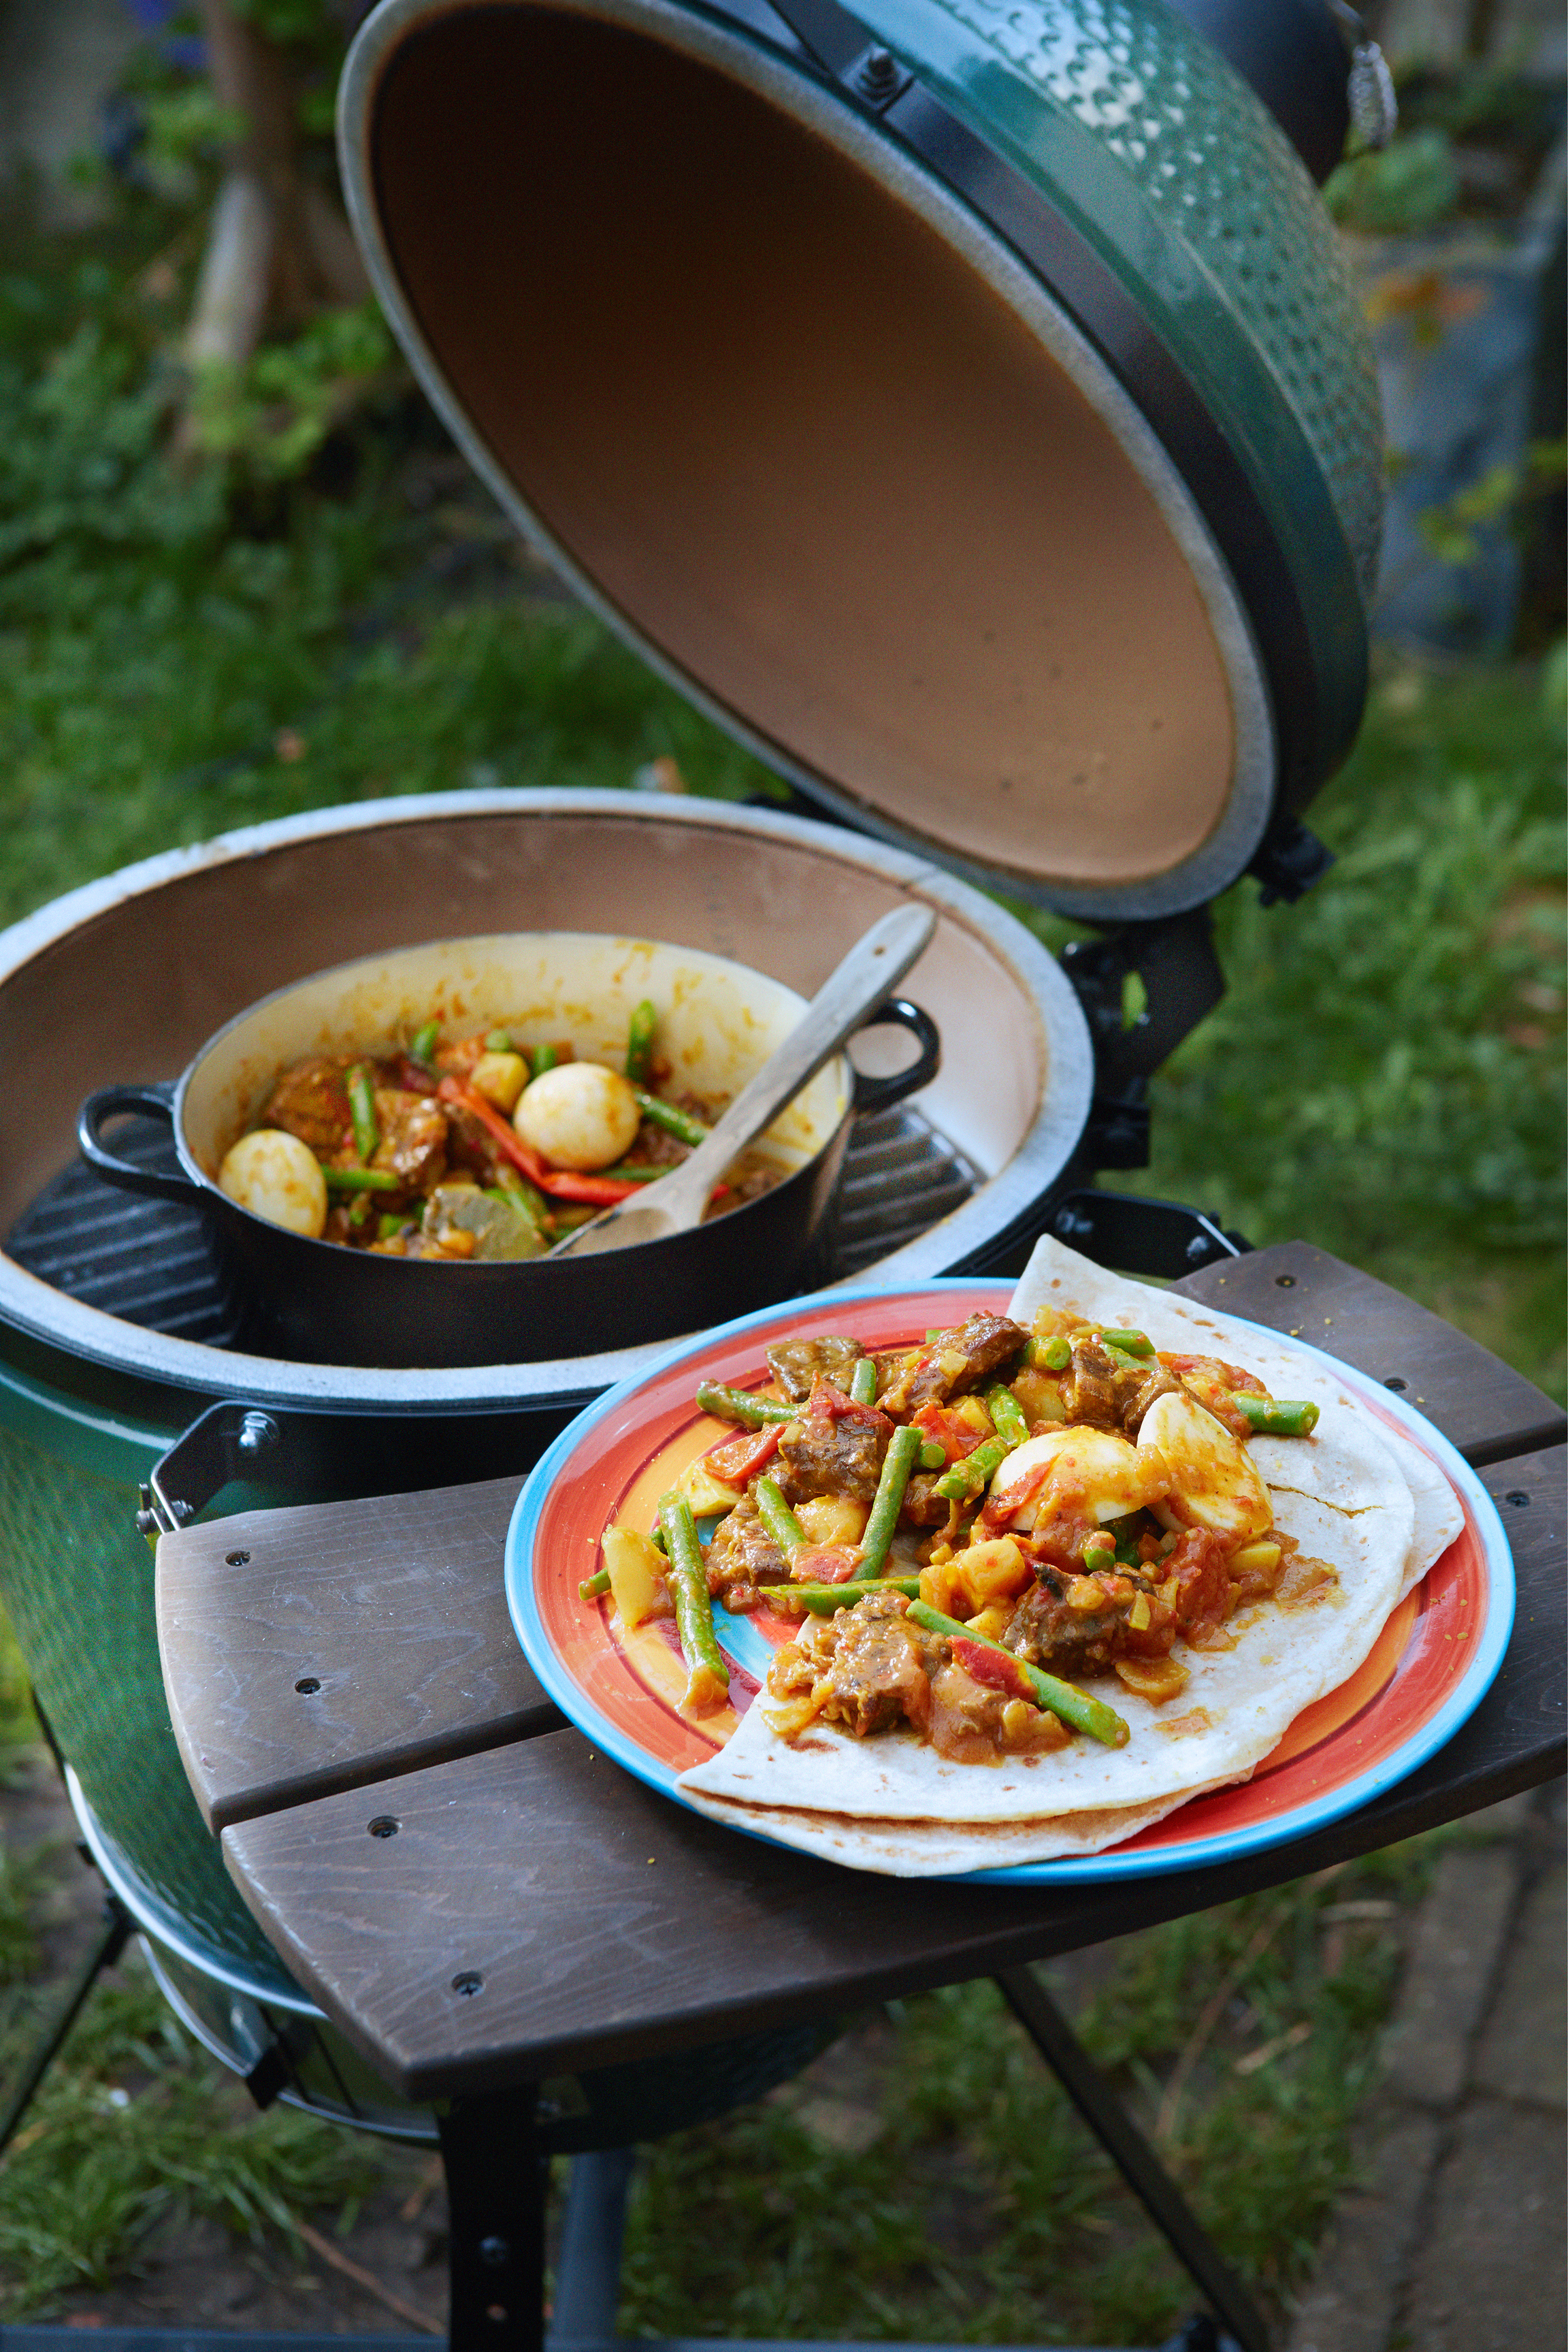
[1356,1495]
[936,1848]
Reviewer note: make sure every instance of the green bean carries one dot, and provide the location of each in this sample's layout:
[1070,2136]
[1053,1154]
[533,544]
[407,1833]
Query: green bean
[624,1175]
[362,1110]
[592,1586]
[776,1516]
[1098,1553]
[933,1455]
[739,1405]
[543,1058]
[360,1209]
[1048,1355]
[1007,1413]
[389,1223]
[1132,1343]
[706,1674]
[896,1465]
[421,1044]
[640,1042]
[1280,1416]
[862,1381]
[1074,1707]
[822,1600]
[976,1471]
[678,1123]
[660,1540]
[497,1041]
[361,1180]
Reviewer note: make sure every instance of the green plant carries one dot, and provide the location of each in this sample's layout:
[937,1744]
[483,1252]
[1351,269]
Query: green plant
[133,2128]
[1409,185]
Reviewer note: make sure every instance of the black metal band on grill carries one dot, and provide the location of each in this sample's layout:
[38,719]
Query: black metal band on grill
[838,50]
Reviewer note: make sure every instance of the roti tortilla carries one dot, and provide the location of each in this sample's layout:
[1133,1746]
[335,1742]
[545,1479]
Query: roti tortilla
[1355,1494]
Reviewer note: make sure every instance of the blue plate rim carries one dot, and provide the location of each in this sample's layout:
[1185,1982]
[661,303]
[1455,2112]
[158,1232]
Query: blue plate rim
[1230,1845]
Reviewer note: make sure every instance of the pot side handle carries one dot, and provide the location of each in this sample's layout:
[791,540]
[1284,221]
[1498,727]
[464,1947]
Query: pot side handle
[880,1093]
[153,1101]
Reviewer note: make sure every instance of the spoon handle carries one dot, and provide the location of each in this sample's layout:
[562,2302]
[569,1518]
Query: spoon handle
[871,971]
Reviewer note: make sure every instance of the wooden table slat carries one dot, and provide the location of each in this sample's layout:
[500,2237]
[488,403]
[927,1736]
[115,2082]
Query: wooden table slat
[606,1921]
[1481,1404]
[391,1611]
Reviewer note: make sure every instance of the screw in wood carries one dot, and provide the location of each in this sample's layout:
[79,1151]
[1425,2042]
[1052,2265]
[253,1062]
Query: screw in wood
[1396,1382]
[235,1558]
[384,1826]
[308,1685]
[468,1983]
[1284,1281]
[1518,1499]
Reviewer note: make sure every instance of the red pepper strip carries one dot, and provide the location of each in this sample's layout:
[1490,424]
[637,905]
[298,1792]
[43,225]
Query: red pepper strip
[598,1192]
[829,1402]
[452,1090]
[992,1668]
[825,1563]
[737,1459]
[951,1432]
[602,1191]
[999,1509]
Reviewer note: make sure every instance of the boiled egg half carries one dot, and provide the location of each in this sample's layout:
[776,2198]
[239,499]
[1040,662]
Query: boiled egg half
[1092,1471]
[1210,1479]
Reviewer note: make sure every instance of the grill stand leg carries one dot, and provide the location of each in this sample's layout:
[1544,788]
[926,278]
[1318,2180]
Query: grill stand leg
[1141,2168]
[496,2182]
[588,2273]
[111,1942]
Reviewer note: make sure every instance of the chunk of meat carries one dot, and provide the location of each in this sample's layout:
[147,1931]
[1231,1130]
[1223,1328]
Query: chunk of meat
[1073,1624]
[413,1138]
[922,1506]
[1107,1394]
[878,1670]
[744,1557]
[796,1363]
[469,1144]
[974,1722]
[835,1448]
[655,1147]
[311,1101]
[953,1362]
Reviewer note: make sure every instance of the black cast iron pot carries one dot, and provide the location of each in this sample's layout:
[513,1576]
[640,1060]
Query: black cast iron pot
[321,1303]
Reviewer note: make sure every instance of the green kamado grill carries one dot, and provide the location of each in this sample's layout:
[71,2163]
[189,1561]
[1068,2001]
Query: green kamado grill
[967,406]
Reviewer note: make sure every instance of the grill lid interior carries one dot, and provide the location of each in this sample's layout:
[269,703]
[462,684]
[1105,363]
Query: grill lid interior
[815,441]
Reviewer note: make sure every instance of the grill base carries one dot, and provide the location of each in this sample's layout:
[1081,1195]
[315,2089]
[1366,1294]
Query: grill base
[151,1261]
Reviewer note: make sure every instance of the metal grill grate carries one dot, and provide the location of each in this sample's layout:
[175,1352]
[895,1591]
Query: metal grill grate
[150,1262]
[147,1261]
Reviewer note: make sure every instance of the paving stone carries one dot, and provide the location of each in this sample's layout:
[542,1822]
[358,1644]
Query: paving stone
[1353,2299]
[1489,2276]
[1459,1934]
[1524,2052]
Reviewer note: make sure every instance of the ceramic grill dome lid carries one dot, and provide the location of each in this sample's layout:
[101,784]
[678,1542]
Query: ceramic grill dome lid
[965,402]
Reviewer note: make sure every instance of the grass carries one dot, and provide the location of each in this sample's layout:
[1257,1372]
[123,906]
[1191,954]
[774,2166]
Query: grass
[135,2126]
[926,2179]
[183,656]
